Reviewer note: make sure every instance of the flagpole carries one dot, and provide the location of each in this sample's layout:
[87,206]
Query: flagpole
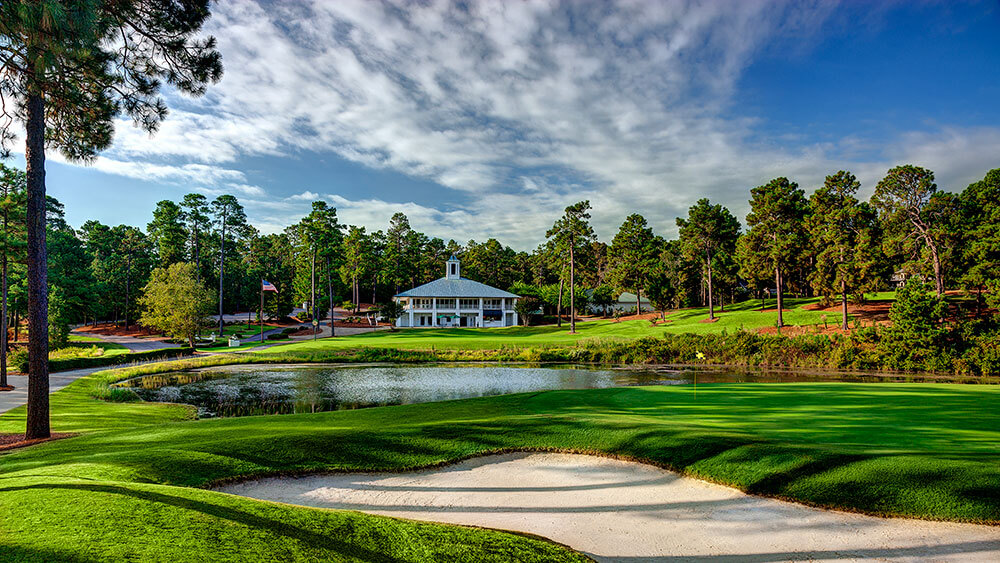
[261,319]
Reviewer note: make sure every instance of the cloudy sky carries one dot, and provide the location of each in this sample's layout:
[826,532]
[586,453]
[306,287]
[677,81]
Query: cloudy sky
[485,119]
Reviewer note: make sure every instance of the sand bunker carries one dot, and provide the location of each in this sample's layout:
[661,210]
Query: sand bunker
[613,510]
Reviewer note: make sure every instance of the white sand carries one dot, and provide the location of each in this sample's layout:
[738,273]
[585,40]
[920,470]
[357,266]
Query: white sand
[613,510]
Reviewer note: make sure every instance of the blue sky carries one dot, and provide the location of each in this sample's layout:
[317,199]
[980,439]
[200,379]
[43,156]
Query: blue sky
[486,119]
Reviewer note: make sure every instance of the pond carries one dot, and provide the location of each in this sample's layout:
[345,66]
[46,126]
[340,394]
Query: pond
[244,390]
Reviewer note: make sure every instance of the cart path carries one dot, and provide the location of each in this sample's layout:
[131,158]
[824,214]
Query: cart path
[132,343]
[623,511]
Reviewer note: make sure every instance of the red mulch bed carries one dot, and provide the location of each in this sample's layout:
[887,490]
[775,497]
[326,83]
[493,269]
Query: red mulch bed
[110,329]
[11,441]
[354,325]
[642,317]
[7,388]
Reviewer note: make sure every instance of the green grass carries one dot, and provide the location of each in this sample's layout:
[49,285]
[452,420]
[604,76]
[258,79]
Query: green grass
[251,337]
[921,450]
[745,315]
[87,347]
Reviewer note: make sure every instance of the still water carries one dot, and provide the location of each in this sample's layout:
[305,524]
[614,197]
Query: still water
[244,390]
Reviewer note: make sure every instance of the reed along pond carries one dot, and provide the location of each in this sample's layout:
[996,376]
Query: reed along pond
[245,390]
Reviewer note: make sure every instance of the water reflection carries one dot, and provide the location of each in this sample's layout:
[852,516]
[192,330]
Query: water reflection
[252,389]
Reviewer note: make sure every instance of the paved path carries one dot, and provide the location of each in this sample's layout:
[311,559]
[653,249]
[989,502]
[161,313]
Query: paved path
[132,343]
[19,396]
[620,511]
[58,380]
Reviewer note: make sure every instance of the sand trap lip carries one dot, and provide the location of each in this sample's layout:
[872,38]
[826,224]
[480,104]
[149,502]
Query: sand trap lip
[618,510]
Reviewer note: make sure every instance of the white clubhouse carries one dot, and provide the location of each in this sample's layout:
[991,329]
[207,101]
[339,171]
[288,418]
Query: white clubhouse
[454,301]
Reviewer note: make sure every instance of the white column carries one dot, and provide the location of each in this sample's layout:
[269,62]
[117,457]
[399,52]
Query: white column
[411,314]
[480,312]
[434,308]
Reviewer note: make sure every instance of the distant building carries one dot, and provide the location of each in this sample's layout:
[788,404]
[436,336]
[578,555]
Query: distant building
[454,301]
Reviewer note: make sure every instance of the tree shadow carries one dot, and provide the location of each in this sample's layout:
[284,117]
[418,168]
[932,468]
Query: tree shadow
[273,526]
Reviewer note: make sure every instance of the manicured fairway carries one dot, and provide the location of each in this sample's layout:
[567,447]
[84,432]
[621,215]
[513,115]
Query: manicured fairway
[929,451]
[746,315]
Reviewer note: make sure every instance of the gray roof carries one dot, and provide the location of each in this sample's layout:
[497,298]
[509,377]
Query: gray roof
[462,287]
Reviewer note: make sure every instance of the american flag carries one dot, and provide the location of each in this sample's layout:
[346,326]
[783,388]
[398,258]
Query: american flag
[267,286]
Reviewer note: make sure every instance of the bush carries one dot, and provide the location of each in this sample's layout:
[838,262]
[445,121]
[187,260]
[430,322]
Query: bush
[18,358]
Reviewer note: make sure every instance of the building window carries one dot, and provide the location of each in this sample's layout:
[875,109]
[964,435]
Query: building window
[491,304]
[468,304]
[453,269]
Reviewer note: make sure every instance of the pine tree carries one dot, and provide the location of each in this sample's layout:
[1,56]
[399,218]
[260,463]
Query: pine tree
[776,234]
[569,232]
[845,239]
[12,242]
[915,217]
[231,225]
[633,256]
[70,68]
[166,232]
[709,236]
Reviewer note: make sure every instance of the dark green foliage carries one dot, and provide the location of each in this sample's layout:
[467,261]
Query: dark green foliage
[845,240]
[633,254]
[708,236]
[527,307]
[981,243]
[917,220]
[390,311]
[917,337]
[166,232]
[776,237]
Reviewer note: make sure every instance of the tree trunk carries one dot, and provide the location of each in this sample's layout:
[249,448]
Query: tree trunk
[711,304]
[843,304]
[197,254]
[222,265]
[572,292]
[312,286]
[128,280]
[638,301]
[37,423]
[777,285]
[938,275]
[312,295]
[329,290]
[559,305]
[3,298]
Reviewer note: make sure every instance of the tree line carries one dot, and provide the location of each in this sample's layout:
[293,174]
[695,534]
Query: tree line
[828,244]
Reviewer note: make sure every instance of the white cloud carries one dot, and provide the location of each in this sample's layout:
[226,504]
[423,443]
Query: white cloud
[489,98]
